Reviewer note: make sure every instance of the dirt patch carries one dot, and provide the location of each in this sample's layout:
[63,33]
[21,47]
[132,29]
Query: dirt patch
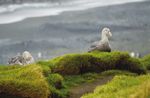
[4,95]
[78,91]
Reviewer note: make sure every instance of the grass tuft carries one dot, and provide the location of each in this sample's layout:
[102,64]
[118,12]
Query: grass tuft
[146,61]
[25,81]
[73,64]
[123,87]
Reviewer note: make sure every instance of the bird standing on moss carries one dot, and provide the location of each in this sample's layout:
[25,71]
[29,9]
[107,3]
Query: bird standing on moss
[24,59]
[103,44]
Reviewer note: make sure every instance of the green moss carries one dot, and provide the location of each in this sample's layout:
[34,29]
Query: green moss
[143,90]
[58,85]
[117,72]
[45,66]
[123,87]
[71,81]
[55,80]
[5,67]
[75,80]
[146,61]
[95,62]
[24,82]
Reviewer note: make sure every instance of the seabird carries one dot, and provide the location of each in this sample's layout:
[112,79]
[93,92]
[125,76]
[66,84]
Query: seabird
[39,55]
[103,44]
[136,55]
[24,59]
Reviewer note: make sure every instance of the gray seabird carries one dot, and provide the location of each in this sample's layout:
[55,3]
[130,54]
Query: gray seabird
[24,59]
[103,44]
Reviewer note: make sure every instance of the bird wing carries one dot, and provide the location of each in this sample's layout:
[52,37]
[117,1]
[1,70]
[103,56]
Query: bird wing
[102,46]
[15,60]
[94,44]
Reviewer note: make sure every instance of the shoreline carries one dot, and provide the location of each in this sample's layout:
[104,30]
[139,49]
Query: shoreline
[16,12]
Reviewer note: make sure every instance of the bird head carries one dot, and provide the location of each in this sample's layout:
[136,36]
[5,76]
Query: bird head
[27,56]
[106,32]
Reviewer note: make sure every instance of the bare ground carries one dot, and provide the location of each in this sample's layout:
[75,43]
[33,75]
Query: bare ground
[77,92]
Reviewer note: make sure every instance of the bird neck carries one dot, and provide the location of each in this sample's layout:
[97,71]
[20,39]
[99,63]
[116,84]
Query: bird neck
[104,37]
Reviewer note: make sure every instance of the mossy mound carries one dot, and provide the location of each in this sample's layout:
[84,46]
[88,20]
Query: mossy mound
[55,80]
[72,64]
[24,82]
[146,61]
[6,68]
[45,66]
[123,87]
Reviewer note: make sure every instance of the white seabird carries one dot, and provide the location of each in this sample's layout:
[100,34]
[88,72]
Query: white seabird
[24,59]
[103,44]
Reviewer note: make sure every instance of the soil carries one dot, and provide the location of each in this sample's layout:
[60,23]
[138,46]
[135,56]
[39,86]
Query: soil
[4,95]
[77,92]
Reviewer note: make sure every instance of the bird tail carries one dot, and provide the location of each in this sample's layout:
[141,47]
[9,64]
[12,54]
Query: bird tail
[91,49]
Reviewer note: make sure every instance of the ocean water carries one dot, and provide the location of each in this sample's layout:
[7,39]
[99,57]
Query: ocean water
[48,29]
[17,12]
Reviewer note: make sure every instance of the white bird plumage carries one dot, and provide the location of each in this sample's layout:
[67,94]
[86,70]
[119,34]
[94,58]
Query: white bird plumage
[24,59]
[103,44]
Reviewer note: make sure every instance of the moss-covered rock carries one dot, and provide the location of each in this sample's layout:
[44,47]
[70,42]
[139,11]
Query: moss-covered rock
[45,66]
[96,62]
[55,80]
[5,67]
[146,61]
[25,82]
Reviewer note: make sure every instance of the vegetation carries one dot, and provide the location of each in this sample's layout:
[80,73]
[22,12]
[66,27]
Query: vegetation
[23,81]
[123,87]
[54,78]
[45,66]
[117,72]
[5,68]
[146,61]
[71,81]
[72,64]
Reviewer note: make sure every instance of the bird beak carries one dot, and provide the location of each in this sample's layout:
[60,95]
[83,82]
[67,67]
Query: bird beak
[110,34]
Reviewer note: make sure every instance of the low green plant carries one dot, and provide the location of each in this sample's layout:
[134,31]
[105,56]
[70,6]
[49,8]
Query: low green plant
[71,81]
[118,72]
[45,66]
[142,91]
[25,81]
[55,80]
[123,87]
[95,62]
[146,61]
[5,67]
